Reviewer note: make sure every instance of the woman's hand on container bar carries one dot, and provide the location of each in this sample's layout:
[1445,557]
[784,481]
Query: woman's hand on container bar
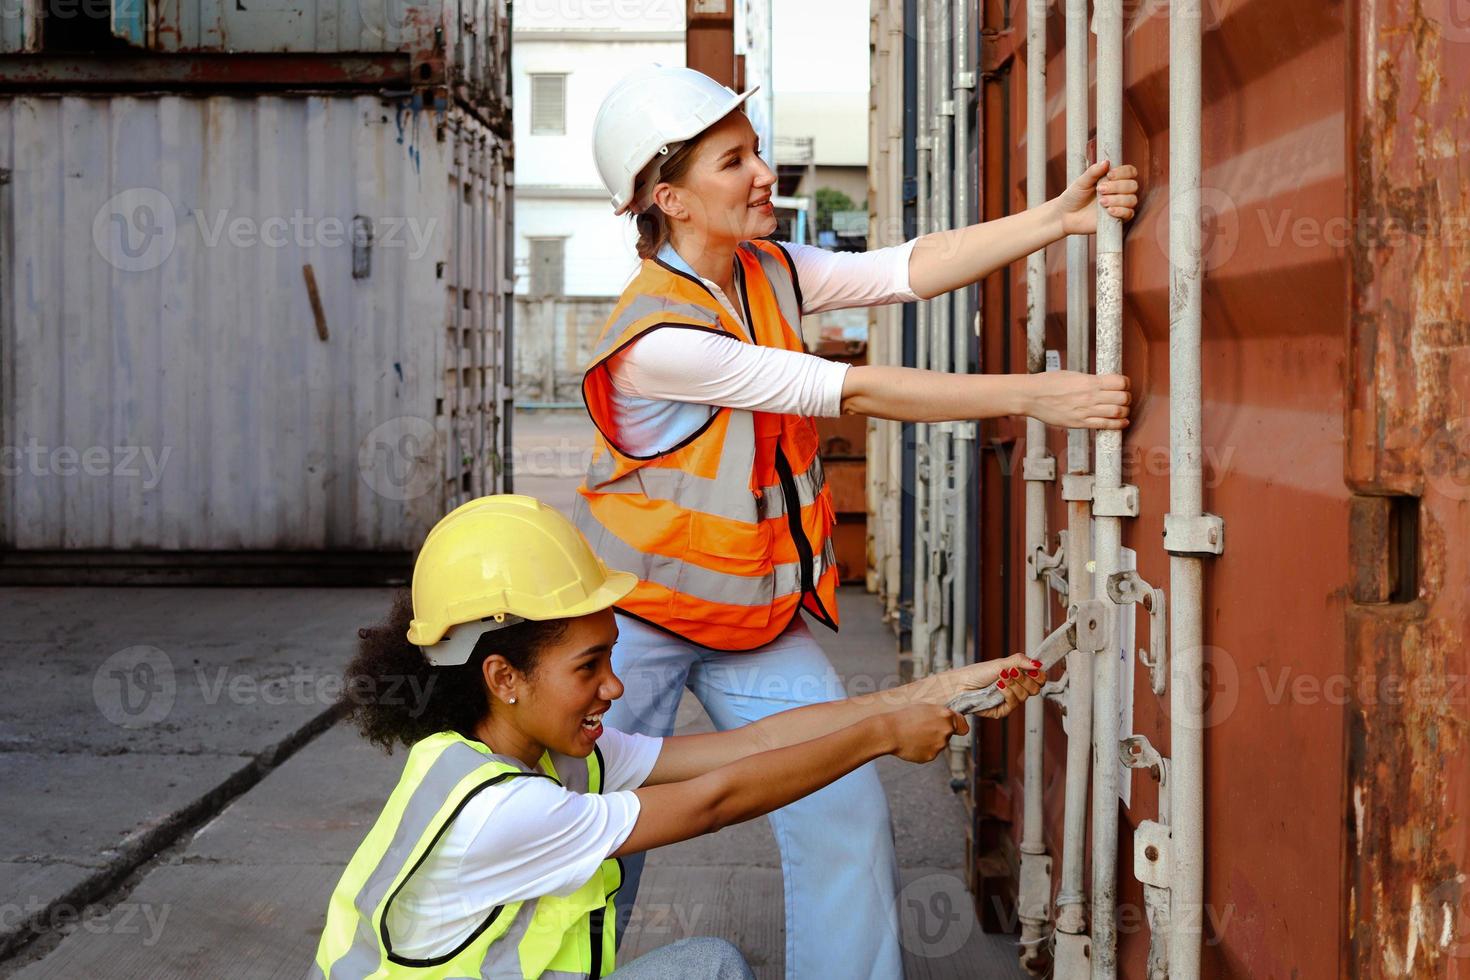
[1077,204]
[1077,401]
[1018,677]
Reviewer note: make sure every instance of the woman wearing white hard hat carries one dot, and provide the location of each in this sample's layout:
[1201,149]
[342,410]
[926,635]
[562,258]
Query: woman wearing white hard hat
[706,482]
[500,852]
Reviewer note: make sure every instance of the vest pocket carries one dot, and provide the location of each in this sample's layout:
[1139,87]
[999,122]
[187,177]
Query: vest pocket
[726,576]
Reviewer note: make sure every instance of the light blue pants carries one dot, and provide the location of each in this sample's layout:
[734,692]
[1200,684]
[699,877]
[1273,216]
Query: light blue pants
[837,860]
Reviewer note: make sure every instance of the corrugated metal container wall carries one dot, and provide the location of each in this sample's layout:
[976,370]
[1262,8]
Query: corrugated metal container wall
[156,307]
[460,41]
[1336,384]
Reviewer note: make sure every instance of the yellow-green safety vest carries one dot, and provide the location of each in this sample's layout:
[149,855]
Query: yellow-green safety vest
[548,937]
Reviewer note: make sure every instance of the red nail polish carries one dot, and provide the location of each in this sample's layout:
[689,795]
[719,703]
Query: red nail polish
[1001,685]
[1036,662]
[1035,673]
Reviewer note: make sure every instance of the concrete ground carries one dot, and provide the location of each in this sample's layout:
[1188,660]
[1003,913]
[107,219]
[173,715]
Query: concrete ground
[179,803]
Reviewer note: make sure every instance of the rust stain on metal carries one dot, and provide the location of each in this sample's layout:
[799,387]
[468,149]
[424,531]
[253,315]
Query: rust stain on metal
[1408,774]
[318,314]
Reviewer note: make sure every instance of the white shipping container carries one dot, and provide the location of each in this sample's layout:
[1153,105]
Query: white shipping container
[167,385]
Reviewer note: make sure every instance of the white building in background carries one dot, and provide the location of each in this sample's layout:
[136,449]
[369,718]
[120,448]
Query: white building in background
[566,57]
[573,256]
[836,123]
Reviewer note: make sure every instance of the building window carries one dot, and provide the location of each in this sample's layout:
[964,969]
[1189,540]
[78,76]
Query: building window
[548,265]
[548,103]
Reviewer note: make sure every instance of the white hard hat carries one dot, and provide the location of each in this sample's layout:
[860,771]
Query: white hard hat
[646,116]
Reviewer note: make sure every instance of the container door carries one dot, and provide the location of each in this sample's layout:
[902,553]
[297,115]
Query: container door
[1408,463]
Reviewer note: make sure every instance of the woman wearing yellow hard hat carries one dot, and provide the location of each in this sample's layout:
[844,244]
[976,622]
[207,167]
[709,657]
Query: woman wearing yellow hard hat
[706,480]
[499,854]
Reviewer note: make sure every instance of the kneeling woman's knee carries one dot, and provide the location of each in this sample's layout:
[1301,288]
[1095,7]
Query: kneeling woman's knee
[725,959]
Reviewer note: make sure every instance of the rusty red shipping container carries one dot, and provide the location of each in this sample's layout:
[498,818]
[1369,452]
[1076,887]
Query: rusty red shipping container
[1336,367]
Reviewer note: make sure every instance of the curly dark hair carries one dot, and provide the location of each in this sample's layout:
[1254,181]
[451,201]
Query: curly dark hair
[395,696]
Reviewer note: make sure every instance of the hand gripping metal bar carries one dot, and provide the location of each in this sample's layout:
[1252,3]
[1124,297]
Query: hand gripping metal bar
[1081,631]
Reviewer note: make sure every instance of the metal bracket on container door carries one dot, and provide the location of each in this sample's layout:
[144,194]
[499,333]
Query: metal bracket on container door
[1202,535]
[964,79]
[1050,566]
[1040,469]
[1115,501]
[1153,848]
[1077,486]
[1090,618]
[945,108]
[1137,752]
[1056,691]
[1126,587]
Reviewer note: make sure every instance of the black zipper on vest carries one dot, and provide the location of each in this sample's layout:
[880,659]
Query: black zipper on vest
[793,517]
[783,470]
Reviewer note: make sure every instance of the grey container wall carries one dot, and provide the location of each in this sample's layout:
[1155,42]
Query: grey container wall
[460,44]
[153,300]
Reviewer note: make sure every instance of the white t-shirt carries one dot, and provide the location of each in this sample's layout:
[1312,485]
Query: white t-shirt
[708,369]
[520,839]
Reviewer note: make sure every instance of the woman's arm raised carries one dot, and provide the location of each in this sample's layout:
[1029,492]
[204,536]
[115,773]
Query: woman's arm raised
[947,260]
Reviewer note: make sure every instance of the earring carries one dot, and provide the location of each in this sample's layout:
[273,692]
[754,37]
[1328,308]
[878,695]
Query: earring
[512,700]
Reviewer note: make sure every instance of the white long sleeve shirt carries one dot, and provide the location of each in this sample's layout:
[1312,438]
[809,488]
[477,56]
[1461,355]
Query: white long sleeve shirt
[695,368]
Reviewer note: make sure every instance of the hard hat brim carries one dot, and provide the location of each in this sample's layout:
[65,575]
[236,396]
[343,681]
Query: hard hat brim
[456,645]
[680,136]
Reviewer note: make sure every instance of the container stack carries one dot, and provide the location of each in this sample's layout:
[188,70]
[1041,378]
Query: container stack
[256,285]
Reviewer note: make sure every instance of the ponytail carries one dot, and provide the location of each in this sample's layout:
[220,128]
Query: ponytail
[653,231]
[395,696]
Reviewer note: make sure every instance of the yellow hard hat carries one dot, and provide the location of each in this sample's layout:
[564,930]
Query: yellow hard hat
[497,561]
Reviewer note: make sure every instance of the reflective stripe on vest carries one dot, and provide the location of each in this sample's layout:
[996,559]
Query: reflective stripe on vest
[550,937]
[729,532]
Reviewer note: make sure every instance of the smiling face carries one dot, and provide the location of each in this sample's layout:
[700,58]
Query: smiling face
[559,704]
[724,197]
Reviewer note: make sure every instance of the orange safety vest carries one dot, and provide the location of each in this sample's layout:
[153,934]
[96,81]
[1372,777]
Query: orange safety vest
[729,531]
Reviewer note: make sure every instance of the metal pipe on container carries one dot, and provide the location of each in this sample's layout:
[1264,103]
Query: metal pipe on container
[1186,495]
[1107,494]
[941,564]
[892,504]
[875,441]
[1035,890]
[1072,942]
[919,635]
[963,440]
